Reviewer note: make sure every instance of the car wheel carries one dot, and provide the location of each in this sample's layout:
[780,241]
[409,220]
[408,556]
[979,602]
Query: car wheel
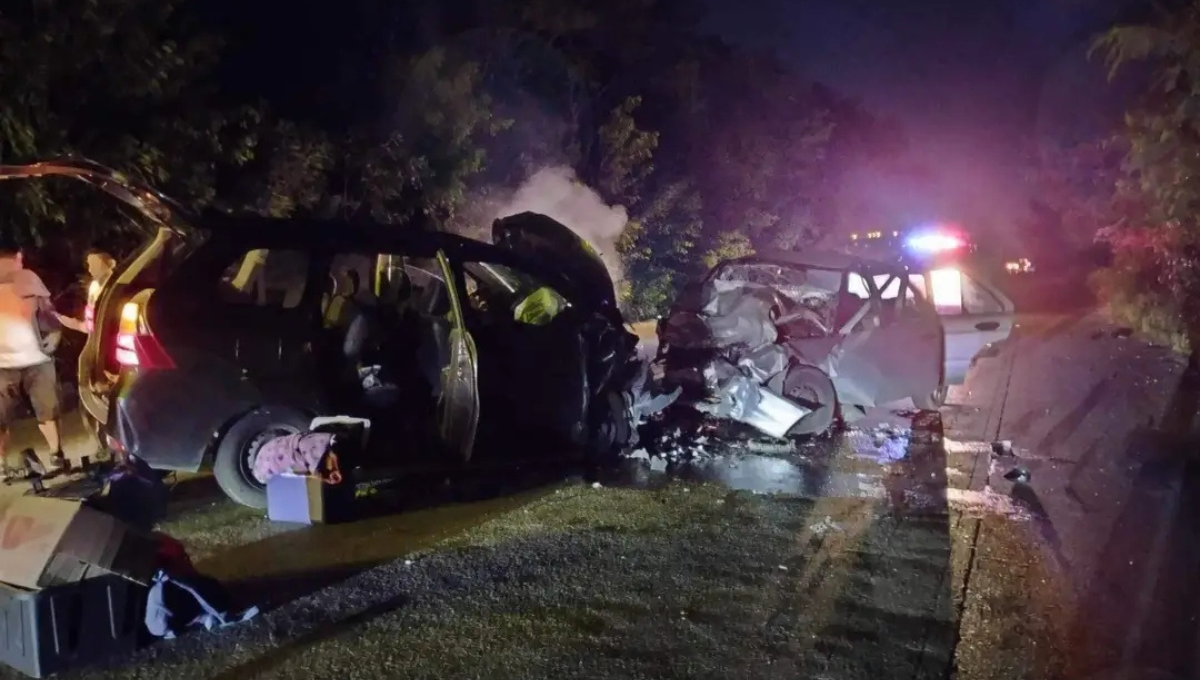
[233,464]
[614,429]
[809,387]
[932,401]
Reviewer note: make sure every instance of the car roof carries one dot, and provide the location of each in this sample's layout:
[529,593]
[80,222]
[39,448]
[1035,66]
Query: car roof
[413,239]
[820,259]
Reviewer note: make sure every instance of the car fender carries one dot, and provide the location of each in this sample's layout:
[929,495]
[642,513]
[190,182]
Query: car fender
[170,418]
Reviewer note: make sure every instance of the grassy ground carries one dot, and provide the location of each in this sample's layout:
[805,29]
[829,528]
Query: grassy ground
[685,581]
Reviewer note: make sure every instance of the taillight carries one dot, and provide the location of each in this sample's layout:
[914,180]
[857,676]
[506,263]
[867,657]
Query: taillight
[136,346]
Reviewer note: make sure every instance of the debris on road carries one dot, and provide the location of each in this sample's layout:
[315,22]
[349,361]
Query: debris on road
[885,444]
[1018,475]
[824,526]
[1002,449]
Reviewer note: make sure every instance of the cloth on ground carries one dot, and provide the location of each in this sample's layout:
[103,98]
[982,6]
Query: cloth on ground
[182,598]
[176,603]
[296,453]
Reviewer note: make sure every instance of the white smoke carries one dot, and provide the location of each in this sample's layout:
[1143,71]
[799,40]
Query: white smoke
[557,193]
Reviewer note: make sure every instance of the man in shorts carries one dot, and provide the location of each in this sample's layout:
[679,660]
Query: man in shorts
[26,371]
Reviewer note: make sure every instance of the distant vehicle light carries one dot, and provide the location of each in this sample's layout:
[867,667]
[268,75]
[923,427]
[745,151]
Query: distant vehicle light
[946,289]
[935,243]
[1021,266]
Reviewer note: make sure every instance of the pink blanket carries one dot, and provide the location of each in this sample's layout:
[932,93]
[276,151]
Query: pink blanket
[299,454]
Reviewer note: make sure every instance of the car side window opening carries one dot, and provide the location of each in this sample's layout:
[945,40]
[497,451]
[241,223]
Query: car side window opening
[978,300]
[854,303]
[504,293]
[945,290]
[955,293]
[266,278]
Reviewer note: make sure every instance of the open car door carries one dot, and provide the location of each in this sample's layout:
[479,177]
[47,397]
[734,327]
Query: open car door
[975,315]
[458,404]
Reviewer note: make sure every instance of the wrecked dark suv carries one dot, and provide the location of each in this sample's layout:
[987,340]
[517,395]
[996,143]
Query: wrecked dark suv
[222,333]
[790,342]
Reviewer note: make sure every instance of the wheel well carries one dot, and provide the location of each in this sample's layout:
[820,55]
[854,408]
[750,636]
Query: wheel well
[210,451]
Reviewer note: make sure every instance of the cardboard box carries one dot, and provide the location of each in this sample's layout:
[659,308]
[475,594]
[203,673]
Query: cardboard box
[305,499]
[46,542]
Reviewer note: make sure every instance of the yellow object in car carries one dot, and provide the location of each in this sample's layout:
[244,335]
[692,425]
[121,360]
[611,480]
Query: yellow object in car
[539,307]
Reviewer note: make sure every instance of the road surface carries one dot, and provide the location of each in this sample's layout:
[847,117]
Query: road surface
[898,550]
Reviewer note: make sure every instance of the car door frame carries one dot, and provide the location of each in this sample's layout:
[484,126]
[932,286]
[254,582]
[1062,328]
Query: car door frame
[458,403]
[922,329]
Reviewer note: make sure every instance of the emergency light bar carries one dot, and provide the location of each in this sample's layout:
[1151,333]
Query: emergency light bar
[934,243]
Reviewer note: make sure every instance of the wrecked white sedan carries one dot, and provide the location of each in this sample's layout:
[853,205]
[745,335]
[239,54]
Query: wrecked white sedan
[790,342]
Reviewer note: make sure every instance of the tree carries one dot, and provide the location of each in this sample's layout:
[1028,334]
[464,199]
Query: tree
[1073,189]
[130,86]
[1155,233]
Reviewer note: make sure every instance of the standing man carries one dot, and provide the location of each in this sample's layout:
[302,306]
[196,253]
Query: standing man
[26,370]
[99,266]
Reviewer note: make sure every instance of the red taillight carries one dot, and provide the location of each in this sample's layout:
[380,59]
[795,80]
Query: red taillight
[135,345]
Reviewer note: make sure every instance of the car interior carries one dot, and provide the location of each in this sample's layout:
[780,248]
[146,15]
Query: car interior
[384,346]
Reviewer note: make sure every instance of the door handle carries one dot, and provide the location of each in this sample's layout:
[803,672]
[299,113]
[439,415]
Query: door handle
[987,325]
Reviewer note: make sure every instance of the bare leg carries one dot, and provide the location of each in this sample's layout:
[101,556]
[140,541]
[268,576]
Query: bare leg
[51,432]
[41,385]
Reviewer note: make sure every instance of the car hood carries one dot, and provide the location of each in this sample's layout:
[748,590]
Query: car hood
[542,238]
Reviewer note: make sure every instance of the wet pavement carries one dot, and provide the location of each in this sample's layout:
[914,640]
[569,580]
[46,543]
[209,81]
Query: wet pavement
[898,549]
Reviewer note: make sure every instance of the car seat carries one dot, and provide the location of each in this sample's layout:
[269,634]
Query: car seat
[358,323]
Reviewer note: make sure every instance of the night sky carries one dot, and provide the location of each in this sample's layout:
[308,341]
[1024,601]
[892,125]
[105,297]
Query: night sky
[977,85]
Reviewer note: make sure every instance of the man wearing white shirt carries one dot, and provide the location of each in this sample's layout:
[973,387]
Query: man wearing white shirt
[26,370]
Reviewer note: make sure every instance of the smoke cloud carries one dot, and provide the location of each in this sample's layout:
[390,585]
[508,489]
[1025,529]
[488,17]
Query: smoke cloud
[557,193]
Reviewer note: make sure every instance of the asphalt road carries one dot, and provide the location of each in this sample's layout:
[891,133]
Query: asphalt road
[894,551]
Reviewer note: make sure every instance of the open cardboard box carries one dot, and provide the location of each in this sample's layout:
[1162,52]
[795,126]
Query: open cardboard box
[46,542]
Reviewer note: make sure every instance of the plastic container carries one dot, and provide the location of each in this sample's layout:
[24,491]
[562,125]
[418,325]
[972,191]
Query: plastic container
[71,626]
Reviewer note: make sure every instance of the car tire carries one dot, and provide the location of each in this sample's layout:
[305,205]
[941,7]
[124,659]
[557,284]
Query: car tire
[932,401]
[612,430]
[233,461]
[810,387]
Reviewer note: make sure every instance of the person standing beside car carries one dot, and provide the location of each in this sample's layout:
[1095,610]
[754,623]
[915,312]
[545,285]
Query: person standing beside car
[26,365]
[100,265]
